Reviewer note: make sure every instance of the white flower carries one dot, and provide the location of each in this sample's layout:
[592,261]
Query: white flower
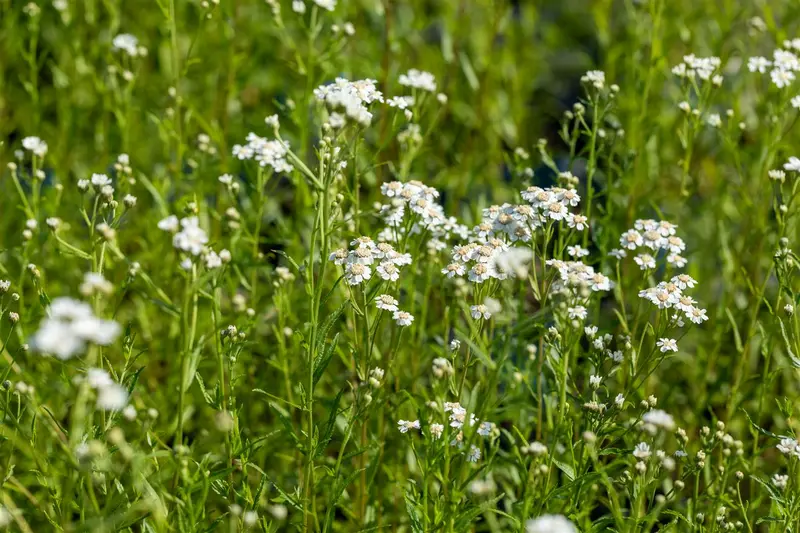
[418,79]
[667,345]
[35,145]
[659,418]
[388,271]
[793,164]
[631,240]
[436,431]
[789,446]
[405,425]
[474,454]
[298,6]
[595,381]
[401,102]
[795,101]
[578,312]
[619,400]
[356,273]
[192,238]
[577,251]
[485,429]
[480,312]
[402,318]
[170,224]
[386,302]
[596,77]
[550,523]
[127,43]
[780,481]
[69,326]
[641,451]
[112,397]
[645,261]
[758,64]
[213,260]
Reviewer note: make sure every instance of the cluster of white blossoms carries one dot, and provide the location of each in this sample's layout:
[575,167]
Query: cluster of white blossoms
[577,275]
[365,252]
[457,417]
[782,67]
[702,68]
[129,44]
[670,294]
[111,396]
[351,98]
[418,79]
[190,238]
[597,78]
[271,153]
[654,236]
[427,214]
[35,145]
[490,254]
[70,324]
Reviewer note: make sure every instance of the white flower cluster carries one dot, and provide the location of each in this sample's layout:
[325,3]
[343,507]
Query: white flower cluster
[365,252]
[351,97]
[597,78]
[266,153]
[456,419]
[419,79]
[782,67]
[428,214]
[669,294]
[70,324]
[35,145]
[703,68]
[128,44]
[111,396]
[578,275]
[655,236]
[189,237]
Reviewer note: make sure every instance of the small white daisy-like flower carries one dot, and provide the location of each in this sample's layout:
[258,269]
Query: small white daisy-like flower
[436,431]
[388,271]
[667,345]
[595,381]
[631,240]
[618,253]
[356,273]
[386,303]
[641,451]
[485,429]
[619,401]
[403,318]
[780,481]
[645,261]
[479,312]
[578,312]
[405,425]
[577,251]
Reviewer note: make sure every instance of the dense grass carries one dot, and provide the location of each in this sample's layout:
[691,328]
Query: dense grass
[220,365]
